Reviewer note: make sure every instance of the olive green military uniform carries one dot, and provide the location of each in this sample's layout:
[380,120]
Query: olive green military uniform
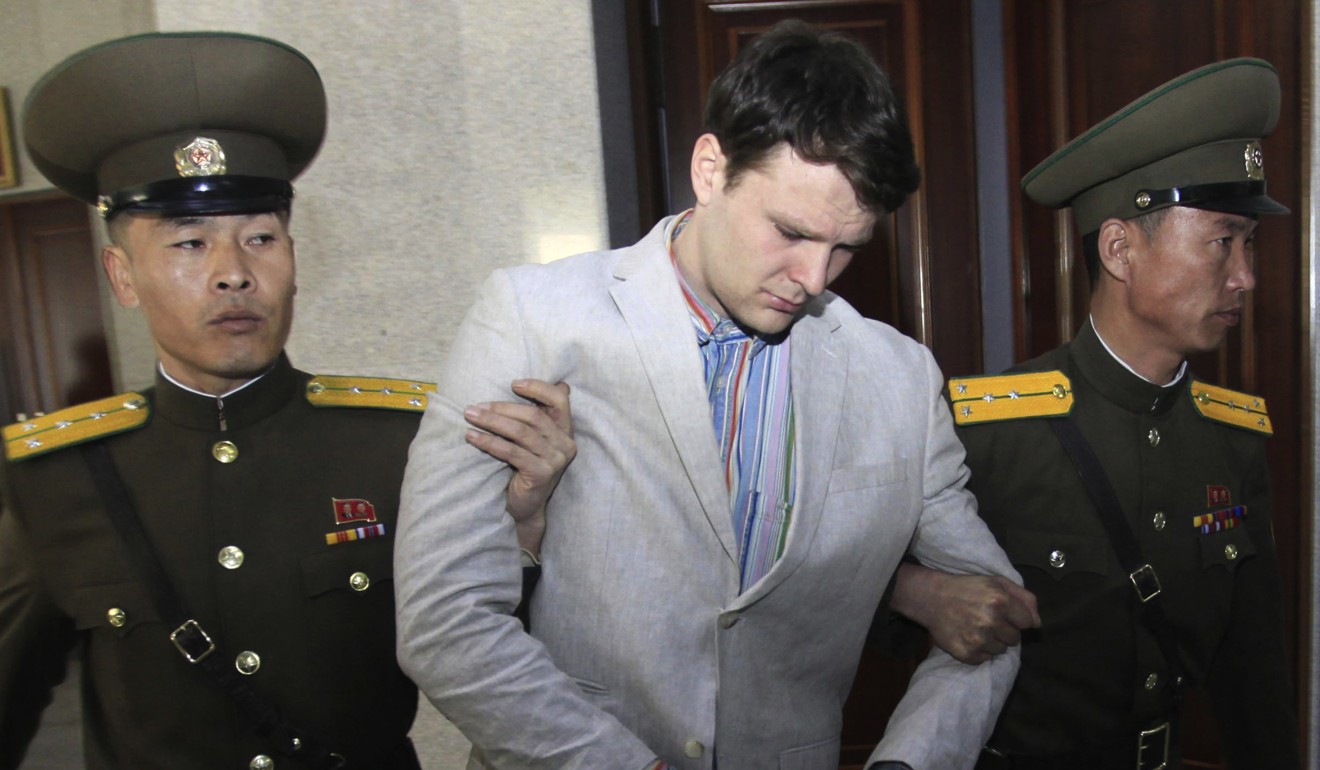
[1186,462]
[274,519]
[1093,677]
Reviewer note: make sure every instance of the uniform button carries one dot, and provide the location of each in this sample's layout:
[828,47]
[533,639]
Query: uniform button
[247,662]
[116,617]
[1159,520]
[230,557]
[1152,681]
[1230,552]
[693,748]
[1153,437]
[1058,559]
[261,762]
[728,620]
[224,451]
[359,581]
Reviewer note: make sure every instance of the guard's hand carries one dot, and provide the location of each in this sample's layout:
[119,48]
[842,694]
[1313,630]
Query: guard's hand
[536,439]
[971,617]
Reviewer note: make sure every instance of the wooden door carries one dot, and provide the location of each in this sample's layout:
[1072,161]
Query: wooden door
[53,350]
[1070,64]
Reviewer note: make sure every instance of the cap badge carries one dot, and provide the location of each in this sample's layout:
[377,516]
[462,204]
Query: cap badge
[1255,161]
[200,157]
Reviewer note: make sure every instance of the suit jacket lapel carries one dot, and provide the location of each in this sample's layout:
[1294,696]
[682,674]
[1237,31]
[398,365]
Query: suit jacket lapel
[648,298]
[819,368]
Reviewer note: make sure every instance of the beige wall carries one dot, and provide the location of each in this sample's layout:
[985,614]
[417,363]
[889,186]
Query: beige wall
[463,136]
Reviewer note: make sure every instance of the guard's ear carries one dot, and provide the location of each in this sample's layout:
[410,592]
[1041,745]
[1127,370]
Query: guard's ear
[708,164]
[119,272]
[1115,244]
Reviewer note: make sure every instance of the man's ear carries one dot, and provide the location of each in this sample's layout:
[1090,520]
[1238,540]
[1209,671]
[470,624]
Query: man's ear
[119,272]
[1116,244]
[707,168]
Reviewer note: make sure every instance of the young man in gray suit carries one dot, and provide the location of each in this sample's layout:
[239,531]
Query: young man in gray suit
[706,594]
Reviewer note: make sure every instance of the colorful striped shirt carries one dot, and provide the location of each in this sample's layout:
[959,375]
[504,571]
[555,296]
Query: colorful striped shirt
[751,404]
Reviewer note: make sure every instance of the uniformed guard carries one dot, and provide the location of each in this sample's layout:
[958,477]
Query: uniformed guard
[1133,497]
[218,546]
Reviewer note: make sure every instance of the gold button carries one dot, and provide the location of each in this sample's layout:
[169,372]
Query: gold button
[1058,559]
[1059,391]
[1230,552]
[693,748]
[315,388]
[1143,199]
[1153,437]
[134,404]
[1152,681]
[1203,397]
[1159,521]
[225,451]
[359,581]
[261,762]
[247,662]
[116,617]
[230,557]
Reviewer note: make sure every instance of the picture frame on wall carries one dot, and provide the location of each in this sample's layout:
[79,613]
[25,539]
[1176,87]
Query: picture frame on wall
[8,168]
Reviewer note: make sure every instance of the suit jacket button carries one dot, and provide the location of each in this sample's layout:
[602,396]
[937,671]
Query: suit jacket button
[1152,681]
[693,748]
[359,581]
[116,617]
[261,762]
[1058,559]
[1230,552]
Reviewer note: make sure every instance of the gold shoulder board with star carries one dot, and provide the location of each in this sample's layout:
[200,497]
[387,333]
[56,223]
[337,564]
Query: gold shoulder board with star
[995,398]
[1234,407]
[368,392]
[75,425]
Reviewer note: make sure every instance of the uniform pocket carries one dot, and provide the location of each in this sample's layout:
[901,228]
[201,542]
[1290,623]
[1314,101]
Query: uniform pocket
[1056,554]
[1226,548]
[359,566]
[117,607]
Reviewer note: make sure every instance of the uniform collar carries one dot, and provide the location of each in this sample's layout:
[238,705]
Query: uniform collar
[236,410]
[1115,381]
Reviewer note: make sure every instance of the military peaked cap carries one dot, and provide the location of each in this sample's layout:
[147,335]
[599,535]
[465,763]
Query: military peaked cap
[1194,141]
[178,123]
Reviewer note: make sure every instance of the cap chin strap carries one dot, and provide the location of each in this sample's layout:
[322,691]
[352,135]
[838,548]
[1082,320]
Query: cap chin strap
[201,196]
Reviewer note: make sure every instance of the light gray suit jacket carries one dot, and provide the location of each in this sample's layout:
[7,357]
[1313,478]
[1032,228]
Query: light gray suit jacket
[641,644]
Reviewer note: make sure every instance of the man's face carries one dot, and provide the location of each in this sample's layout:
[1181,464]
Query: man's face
[217,292]
[773,240]
[1187,284]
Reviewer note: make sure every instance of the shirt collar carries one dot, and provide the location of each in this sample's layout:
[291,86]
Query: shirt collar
[1178,375]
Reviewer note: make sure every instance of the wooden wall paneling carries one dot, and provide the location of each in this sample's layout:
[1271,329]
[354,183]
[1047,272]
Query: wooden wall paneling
[1099,55]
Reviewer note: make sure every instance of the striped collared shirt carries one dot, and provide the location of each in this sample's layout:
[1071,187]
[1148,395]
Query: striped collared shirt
[751,404]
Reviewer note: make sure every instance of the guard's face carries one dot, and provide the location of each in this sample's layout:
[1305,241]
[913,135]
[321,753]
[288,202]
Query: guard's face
[217,292]
[1188,284]
[773,240]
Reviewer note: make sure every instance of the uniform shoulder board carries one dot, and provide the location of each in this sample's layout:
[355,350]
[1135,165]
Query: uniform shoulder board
[1001,397]
[325,390]
[75,425]
[1234,407]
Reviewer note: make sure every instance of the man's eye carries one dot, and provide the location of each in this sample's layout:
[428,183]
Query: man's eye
[189,244]
[789,235]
